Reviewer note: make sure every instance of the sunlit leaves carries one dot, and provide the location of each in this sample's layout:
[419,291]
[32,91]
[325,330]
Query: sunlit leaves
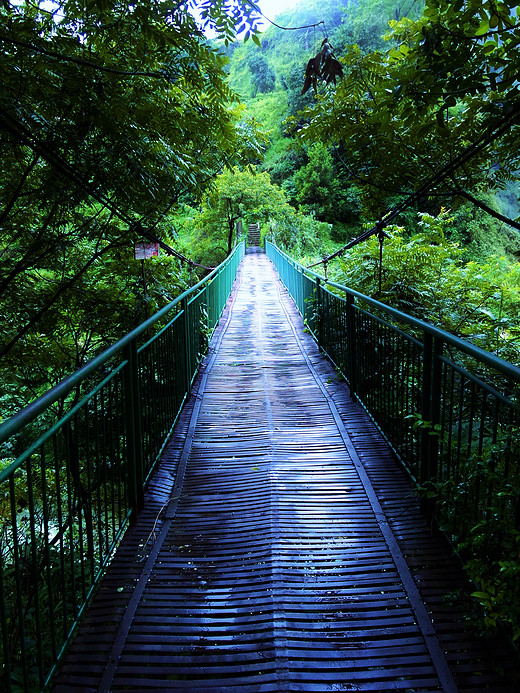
[247,196]
[133,103]
[402,113]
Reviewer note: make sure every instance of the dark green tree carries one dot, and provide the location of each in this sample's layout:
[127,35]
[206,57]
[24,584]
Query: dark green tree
[449,80]
[319,189]
[262,76]
[109,112]
[250,197]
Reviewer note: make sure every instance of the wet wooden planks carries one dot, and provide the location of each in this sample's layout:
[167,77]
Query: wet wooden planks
[274,571]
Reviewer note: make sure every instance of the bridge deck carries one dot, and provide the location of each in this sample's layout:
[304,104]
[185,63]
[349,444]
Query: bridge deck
[289,555]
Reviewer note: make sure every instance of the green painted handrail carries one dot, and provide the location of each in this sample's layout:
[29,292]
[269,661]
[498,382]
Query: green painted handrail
[68,497]
[24,416]
[449,410]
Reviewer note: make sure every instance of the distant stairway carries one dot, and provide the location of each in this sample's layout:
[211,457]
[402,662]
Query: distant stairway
[254,234]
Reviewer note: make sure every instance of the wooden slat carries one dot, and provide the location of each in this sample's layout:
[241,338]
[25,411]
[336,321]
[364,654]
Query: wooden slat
[276,569]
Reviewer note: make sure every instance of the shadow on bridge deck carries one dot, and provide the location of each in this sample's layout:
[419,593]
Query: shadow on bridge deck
[281,547]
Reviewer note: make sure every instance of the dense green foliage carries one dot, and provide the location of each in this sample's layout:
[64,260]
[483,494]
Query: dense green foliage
[419,88]
[403,112]
[238,198]
[120,122]
[385,127]
[109,113]
[426,275]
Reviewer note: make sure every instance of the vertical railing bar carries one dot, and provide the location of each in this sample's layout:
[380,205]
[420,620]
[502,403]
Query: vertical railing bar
[61,529]
[47,556]
[106,444]
[160,409]
[101,436]
[387,374]
[167,376]
[435,407]
[146,376]
[482,425]
[441,474]
[114,437]
[6,674]
[408,380]
[122,469]
[470,418]
[142,370]
[449,442]
[352,345]
[378,392]
[480,451]
[92,456]
[187,346]
[18,575]
[132,441]
[491,487]
[70,504]
[34,569]
[120,491]
[80,505]
[138,428]
[426,404]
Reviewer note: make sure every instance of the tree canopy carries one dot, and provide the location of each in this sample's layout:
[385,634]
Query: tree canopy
[248,196]
[109,113]
[448,81]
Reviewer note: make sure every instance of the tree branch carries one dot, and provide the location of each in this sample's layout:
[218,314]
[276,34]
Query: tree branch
[81,61]
[486,208]
[7,348]
[18,190]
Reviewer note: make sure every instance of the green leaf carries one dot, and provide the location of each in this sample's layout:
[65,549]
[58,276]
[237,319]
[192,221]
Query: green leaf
[483,28]
[484,596]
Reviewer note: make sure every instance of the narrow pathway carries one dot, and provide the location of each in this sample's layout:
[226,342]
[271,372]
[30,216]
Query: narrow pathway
[281,548]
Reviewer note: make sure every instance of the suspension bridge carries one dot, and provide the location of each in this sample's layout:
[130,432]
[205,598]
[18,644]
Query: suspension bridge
[267,531]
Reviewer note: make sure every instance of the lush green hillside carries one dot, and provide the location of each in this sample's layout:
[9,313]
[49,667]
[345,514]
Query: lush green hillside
[122,123]
[269,78]
[108,139]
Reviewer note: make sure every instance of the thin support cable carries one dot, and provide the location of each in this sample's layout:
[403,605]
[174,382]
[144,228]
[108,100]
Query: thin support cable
[492,133]
[381,236]
[278,26]
[62,166]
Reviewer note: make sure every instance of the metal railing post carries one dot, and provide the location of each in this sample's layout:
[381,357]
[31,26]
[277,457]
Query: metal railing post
[300,291]
[187,346]
[435,408]
[351,345]
[426,405]
[319,313]
[431,407]
[132,406]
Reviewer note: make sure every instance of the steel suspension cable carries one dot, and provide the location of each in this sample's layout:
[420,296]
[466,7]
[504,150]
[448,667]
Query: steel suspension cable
[18,130]
[278,26]
[491,134]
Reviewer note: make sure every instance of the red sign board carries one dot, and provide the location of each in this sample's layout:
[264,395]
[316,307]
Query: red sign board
[142,251]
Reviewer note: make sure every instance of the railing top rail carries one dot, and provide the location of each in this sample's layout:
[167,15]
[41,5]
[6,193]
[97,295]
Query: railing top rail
[505,367]
[31,411]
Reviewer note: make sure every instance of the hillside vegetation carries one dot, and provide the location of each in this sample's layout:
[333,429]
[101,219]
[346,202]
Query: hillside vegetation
[114,132]
[346,155]
[122,123]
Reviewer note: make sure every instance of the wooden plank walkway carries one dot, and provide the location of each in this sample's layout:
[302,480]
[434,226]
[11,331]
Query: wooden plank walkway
[281,547]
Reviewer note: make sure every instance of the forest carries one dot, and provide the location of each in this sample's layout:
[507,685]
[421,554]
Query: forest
[173,137]
[123,123]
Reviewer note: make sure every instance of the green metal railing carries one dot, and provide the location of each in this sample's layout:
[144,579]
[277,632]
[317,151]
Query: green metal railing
[449,410]
[67,498]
